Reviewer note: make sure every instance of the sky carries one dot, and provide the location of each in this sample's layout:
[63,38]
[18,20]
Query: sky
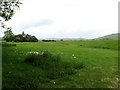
[65,18]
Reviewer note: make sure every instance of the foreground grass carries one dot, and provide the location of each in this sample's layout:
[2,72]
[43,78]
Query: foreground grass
[99,57]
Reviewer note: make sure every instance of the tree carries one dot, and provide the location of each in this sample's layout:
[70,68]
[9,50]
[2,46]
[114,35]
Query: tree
[7,9]
[34,39]
[18,38]
[8,35]
[25,38]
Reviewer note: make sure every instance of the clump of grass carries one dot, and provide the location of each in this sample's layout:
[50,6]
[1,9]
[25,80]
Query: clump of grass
[43,59]
[52,65]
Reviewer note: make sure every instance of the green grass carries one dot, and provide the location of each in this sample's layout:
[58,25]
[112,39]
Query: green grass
[88,64]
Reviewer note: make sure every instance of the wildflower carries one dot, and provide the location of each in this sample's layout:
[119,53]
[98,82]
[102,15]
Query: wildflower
[54,82]
[36,52]
[42,53]
[33,53]
[73,55]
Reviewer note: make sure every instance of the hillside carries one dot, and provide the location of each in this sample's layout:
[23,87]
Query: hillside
[115,36]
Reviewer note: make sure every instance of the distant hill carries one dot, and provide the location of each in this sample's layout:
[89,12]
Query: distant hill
[62,39]
[115,36]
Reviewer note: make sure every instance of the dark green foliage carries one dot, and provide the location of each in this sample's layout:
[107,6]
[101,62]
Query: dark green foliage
[25,38]
[7,8]
[18,38]
[8,35]
[34,39]
[49,40]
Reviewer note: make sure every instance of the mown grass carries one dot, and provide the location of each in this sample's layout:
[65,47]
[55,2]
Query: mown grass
[86,64]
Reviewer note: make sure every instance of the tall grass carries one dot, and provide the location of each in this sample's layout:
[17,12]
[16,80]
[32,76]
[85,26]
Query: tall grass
[52,64]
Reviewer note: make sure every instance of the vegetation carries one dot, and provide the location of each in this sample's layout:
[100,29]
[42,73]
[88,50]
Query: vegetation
[66,64]
[25,38]
[49,40]
[7,8]
[9,37]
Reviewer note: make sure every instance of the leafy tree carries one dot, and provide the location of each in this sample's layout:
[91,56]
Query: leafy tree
[18,38]
[25,38]
[7,9]
[34,39]
[8,35]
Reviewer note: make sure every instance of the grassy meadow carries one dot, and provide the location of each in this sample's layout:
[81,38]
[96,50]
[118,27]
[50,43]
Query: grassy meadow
[69,64]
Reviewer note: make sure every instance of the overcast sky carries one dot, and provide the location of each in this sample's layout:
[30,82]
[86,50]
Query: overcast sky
[66,18]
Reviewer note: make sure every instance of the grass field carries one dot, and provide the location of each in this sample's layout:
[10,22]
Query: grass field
[97,59]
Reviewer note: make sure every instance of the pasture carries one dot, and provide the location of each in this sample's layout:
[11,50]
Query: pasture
[82,64]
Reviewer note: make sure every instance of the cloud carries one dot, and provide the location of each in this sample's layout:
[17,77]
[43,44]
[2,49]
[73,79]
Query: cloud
[66,18]
[36,23]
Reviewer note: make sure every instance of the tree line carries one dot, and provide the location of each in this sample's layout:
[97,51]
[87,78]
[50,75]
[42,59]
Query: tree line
[7,10]
[10,37]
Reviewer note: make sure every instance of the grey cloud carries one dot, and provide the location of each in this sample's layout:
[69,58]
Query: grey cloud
[36,23]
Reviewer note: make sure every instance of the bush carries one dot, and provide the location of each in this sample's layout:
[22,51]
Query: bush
[43,59]
[25,38]
[48,62]
[52,65]
[8,35]
[49,40]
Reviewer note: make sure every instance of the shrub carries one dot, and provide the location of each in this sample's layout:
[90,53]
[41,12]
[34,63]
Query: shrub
[43,59]
[25,38]
[8,35]
[47,61]
[49,40]
[52,65]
